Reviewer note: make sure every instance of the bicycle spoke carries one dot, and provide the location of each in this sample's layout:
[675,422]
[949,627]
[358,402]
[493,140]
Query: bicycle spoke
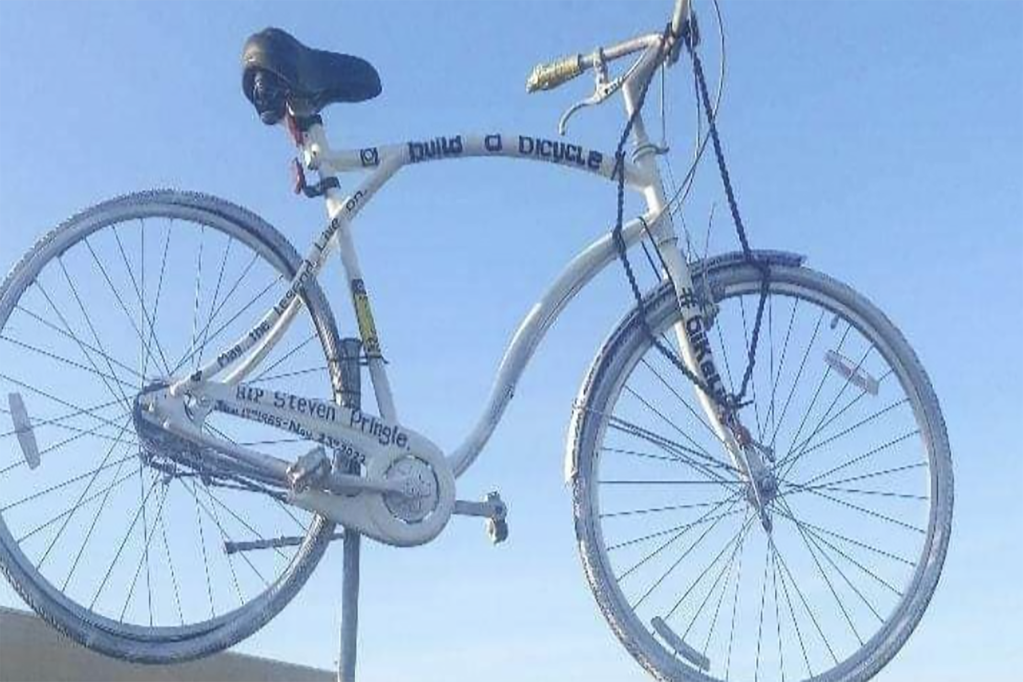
[816,395]
[216,297]
[92,349]
[198,293]
[673,425]
[845,432]
[241,521]
[142,303]
[144,559]
[120,548]
[676,452]
[731,629]
[105,378]
[795,381]
[817,530]
[815,533]
[806,441]
[291,375]
[760,618]
[65,483]
[57,446]
[724,588]
[225,536]
[173,573]
[95,521]
[675,531]
[284,358]
[777,616]
[851,479]
[824,419]
[732,543]
[868,512]
[840,572]
[678,561]
[859,458]
[188,356]
[749,349]
[802,598]
[824,575]
[58,421]
[658,510]
[202,545]
[71,363]
[725,569]
[792,611]
[700,418]
[680,452]
[663,481]
[156,306]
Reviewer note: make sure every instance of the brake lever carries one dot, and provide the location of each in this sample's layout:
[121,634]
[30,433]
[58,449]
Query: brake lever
[603,88]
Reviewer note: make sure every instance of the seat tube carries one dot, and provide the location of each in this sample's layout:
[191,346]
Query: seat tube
[335,200]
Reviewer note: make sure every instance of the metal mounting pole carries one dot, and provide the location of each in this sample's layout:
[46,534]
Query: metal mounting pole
[351,396]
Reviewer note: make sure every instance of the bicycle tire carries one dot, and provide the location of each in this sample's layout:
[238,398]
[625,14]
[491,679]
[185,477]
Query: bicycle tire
[601,389]
[168,644]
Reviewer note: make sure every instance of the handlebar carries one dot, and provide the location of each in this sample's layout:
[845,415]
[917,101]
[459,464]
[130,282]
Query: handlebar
[553,74]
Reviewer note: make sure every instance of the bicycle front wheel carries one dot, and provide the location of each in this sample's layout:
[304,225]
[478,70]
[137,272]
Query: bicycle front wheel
[691,581]
[120,546]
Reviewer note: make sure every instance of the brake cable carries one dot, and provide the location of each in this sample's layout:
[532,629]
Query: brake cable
[730,403]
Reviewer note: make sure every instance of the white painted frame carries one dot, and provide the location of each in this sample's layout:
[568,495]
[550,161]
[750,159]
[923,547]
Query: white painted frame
[382,163]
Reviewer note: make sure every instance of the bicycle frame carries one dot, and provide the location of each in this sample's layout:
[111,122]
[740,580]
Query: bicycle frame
[382,163]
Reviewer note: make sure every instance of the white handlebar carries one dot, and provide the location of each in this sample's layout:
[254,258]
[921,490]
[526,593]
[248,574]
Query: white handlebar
[551,75]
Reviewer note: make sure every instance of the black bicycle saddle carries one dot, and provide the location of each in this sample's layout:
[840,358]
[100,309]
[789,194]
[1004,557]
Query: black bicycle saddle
[278,70]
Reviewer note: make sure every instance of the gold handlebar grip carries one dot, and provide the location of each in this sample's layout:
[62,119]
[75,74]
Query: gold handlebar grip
[550,76]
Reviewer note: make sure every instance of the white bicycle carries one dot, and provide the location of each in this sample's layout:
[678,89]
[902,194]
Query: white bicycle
[761,475]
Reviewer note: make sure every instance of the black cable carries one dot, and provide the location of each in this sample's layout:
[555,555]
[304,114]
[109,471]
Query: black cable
[728,403]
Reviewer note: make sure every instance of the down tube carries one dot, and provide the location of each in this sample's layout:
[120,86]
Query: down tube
[531,331]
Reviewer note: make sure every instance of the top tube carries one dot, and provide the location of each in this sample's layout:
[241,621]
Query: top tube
[509,145]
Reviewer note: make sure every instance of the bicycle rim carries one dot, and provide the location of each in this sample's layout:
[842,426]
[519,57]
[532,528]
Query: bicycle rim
[860,520]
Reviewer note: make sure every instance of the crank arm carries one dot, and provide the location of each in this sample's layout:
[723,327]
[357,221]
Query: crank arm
[379,514]
[271,543]
[314,470]
[491,507]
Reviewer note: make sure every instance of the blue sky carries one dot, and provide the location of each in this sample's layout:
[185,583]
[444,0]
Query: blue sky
[884,140]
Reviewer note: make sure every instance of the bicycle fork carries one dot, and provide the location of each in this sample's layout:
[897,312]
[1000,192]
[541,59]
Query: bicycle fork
[691,334]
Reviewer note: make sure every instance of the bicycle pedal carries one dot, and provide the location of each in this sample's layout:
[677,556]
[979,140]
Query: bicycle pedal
[493,509]
[497,531]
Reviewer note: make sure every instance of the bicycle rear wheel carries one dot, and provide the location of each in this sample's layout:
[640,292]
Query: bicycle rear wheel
[122,547]
[688,578]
